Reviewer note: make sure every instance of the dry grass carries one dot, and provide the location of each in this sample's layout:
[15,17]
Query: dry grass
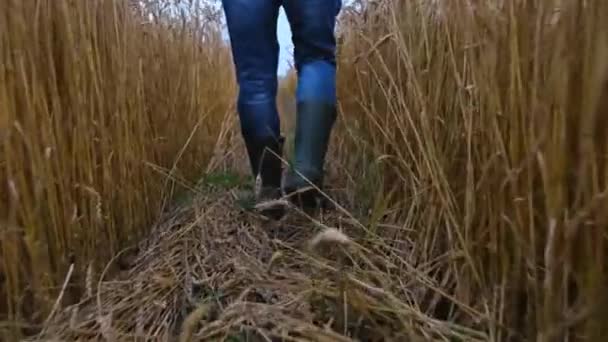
[99,101]
[211,272]
[286,104]
[482,125]
[468,171]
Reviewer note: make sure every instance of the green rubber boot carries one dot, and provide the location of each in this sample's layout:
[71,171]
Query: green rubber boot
[314,123]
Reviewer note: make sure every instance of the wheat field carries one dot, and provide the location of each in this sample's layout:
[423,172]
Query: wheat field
[468,167]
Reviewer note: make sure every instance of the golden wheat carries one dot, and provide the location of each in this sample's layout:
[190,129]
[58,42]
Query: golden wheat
[471,142]
[95,99]
[492,118]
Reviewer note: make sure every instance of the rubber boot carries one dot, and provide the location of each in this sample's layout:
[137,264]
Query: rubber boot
[264,158]
[314,123]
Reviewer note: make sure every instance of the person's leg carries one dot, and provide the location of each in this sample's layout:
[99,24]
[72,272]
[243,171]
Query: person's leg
[313,24]
[252,29]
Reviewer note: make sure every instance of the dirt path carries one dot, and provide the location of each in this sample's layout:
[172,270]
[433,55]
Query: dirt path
[213,272]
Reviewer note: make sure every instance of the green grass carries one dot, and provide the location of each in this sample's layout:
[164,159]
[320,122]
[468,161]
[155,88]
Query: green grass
[226,180]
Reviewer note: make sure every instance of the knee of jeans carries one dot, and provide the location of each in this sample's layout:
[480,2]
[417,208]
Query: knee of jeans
[257,91]
[315,41]
[314,49]
[317,82]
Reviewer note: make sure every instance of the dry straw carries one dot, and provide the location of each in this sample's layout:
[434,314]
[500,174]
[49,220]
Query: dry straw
[469,162]
[91,94]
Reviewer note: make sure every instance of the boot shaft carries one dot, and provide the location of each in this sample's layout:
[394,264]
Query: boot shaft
[265,160]
[314,124]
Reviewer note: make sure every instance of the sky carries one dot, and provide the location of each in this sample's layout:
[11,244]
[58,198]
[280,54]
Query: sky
[284,36]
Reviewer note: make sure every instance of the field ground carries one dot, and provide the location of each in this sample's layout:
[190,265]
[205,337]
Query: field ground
[213,271]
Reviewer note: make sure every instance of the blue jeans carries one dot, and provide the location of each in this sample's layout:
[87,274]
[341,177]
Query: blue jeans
[252,26]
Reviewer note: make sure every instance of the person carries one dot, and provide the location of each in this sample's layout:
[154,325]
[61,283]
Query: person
[252,26]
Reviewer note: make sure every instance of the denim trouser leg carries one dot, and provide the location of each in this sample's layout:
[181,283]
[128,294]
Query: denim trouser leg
[252,26]
[313,23]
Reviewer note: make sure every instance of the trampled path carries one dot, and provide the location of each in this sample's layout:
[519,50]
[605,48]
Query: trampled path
[211,271]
